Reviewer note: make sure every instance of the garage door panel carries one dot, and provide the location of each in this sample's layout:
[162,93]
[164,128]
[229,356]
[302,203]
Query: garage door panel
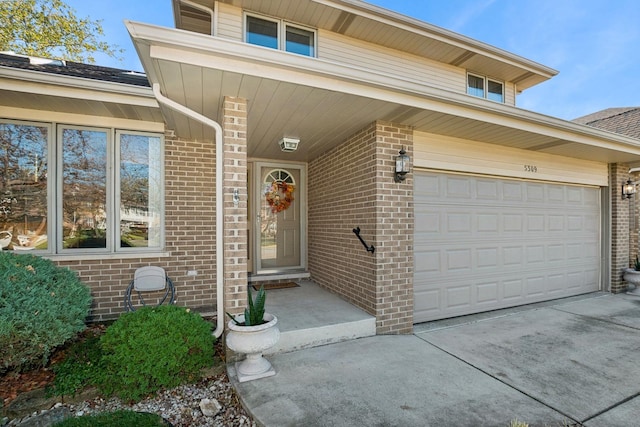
[510,243]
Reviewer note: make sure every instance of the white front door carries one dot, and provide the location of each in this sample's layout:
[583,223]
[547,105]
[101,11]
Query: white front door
[278,217]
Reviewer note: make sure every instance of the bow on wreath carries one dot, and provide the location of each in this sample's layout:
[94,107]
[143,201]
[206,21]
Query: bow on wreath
[280,196]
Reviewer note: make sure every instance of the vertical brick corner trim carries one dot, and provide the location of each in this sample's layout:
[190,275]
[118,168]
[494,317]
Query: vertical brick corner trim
[235,217]
[621,244]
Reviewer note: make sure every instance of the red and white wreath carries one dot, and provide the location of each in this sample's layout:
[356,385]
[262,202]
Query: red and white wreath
[280,196]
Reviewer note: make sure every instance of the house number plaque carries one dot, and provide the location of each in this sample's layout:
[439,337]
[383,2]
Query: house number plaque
[530,168]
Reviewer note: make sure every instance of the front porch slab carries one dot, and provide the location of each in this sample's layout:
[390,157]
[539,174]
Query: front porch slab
[310,316]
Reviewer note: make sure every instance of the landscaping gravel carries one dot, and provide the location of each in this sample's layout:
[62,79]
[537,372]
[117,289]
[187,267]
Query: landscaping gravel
[211,402]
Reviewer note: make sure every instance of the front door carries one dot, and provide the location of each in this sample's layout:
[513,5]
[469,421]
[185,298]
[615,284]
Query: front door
[278,227]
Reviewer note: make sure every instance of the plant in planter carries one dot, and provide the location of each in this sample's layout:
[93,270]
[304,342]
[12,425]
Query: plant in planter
[632,276]
[252,333]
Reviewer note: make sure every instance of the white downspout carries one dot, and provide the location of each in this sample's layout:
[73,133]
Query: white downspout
[219,198]
[203,9]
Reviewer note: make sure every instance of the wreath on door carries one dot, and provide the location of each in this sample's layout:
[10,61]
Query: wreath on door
[280,196]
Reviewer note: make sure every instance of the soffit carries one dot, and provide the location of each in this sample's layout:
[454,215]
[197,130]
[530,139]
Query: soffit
[35,90]
[376,25]
[324,104]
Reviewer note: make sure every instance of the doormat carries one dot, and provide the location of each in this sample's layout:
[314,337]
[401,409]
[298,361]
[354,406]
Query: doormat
[272,286]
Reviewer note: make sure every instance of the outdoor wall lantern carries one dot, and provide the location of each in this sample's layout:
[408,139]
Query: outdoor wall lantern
[402,166]
[628,189]
[289,144]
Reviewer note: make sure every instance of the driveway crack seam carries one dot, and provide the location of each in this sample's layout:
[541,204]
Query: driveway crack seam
[501,381]
[615,405]
[599,319]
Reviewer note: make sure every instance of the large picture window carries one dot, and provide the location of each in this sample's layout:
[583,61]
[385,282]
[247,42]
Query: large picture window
[140,213]
[84,190]
[24,196]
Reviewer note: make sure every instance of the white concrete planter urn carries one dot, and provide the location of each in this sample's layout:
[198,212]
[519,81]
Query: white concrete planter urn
[632,276]
[252,341]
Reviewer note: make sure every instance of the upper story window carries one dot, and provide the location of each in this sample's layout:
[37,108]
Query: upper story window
[80,189]
[277,34]
[484,87]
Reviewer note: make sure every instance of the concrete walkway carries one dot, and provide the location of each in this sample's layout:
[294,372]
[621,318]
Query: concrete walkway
[551,364]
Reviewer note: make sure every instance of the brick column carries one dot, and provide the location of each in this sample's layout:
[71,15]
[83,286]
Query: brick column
[620,241]
[394,233]
[235,217]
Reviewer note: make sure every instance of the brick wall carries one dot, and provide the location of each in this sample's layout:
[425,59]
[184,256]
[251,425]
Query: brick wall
[189,237]
[634,220]
[352,186]
[235,217]
[620,241]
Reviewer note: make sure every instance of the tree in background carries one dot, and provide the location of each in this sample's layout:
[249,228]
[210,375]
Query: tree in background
[50,28]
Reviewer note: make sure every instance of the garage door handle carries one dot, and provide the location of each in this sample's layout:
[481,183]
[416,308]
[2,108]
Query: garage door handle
[367,247]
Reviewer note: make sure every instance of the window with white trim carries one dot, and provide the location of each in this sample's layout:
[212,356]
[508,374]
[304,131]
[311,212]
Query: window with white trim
[484,87]
[278,34]
[80,189]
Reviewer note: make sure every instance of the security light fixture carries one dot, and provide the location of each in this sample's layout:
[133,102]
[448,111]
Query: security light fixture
[628,189]
[289,144]
[402,166]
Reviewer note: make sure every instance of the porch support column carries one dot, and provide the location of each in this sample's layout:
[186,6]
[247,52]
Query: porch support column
[235,214]
[620,235]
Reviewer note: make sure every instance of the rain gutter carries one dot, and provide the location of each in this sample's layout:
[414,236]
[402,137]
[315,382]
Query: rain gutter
[169,103]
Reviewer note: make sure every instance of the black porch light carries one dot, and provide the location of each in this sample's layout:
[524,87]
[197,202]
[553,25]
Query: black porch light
[628,189]
[402,166]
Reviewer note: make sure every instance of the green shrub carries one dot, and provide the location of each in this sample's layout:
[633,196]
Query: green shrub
[41,307]
[79,368]
[153,348]
[115,419]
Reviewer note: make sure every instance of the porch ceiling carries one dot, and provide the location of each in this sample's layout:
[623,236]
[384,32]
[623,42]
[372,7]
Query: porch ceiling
[324,103]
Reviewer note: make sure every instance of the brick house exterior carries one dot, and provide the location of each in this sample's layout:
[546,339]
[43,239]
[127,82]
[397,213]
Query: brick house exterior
[353,103]
[626,224]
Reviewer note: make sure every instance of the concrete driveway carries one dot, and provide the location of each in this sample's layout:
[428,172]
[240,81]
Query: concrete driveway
[568,362]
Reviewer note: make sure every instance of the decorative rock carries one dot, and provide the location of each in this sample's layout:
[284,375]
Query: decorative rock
[210,407]
[180,407]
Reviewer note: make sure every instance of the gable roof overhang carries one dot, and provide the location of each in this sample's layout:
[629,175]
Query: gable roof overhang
[363,21]
[67,99]
[323,103]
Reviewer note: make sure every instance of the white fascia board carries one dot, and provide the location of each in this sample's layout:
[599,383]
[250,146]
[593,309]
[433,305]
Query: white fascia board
[425,29]
[242,58]
[82,119]
[74,87]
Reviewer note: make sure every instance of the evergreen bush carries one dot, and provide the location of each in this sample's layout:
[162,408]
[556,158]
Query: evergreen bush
[152,348]
[41,307]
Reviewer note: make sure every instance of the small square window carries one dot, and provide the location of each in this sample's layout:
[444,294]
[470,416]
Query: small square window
[494,91]
[300,41]
[475,86]
[262,32]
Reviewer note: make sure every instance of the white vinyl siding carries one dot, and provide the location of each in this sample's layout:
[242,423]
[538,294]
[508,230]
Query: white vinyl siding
[345,50]
[446,153]
[230,24]
[485,243]
[509,94]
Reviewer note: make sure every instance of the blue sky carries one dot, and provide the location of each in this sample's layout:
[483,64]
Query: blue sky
[593,43]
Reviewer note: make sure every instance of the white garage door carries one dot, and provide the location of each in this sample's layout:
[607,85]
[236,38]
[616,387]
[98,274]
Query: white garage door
[484,243]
